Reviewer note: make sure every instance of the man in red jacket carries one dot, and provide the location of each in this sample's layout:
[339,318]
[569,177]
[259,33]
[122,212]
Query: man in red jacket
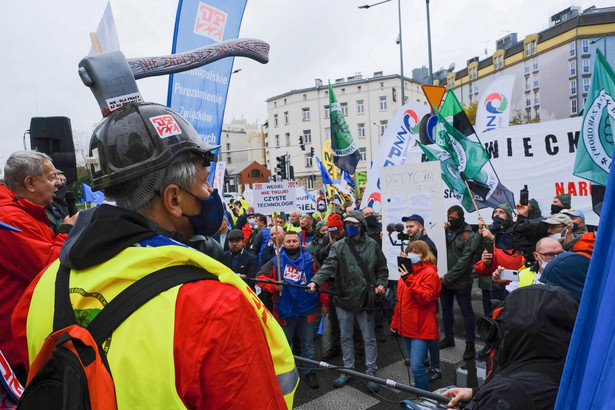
[30,182]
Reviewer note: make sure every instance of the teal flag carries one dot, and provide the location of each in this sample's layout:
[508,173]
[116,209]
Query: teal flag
[469,155]
[346,155]
[595,148]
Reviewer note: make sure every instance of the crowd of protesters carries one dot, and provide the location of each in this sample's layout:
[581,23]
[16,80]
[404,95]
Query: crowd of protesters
[336,251]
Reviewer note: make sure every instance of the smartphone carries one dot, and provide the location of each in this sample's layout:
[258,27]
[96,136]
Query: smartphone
[405,262]
[524,196]
[510,274]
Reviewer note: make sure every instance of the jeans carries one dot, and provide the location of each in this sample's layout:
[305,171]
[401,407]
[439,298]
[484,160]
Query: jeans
[366,324]
[486,302]
[434,353]
[417,348]
[464,300]
[306,332]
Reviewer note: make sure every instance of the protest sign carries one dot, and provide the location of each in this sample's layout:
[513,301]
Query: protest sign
[274,197]
[412,189]
[305,201]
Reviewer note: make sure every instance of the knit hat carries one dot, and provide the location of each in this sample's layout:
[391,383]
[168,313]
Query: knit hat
[506,208]
[335,223]
[564,199]
[567,270]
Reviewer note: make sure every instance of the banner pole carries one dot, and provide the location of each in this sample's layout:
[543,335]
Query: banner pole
[277,251]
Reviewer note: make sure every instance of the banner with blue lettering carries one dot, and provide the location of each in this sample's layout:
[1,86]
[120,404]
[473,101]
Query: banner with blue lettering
[199,95]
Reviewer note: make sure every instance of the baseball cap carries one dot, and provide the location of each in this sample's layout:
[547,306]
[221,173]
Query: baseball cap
[414,217]
[351,219]
[558,219]
[334,223]
[573,212]
[235,234]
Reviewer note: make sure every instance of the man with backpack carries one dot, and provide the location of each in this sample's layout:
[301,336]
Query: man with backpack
[208,343]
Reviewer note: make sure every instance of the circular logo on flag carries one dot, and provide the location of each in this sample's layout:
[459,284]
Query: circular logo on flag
[496,103]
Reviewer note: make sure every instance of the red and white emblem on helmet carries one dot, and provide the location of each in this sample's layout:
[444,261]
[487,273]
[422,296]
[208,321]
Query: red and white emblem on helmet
[165,126]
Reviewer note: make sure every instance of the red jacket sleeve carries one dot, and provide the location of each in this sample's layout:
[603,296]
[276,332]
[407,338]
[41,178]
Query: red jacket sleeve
[483,270]
[426,289]
[222,358]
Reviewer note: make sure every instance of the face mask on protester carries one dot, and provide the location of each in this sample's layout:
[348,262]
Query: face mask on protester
[556,209]
[208,221]
[560,236]
[455,223]
[291,252]
[497,223]
[251,221]
[414,258]
[352,230]
[543,265]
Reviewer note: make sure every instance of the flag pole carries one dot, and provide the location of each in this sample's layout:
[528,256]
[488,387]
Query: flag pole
[277,251]
[472,197]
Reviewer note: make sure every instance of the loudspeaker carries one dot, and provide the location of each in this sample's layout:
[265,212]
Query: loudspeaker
[54,137]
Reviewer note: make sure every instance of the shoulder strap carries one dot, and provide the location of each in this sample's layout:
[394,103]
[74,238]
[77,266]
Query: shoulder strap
[124,304]
[353,249]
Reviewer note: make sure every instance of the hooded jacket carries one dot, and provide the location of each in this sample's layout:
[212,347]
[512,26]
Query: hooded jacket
[349,280]
[22,256]
[184,348]
[535,327]
[460,258]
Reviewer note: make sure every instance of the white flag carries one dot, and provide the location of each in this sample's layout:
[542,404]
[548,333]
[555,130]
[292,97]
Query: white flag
[106,33]
[494,105]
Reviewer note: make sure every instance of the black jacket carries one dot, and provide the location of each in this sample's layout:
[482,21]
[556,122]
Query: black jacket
[247,264]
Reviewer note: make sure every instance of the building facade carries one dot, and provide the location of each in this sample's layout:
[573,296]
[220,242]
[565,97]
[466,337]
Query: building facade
[368,105]
[552,68]
[241,144]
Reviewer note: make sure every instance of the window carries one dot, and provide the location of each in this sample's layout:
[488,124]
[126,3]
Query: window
[536,99]
[534,47]
[527,69]
[527,84]
[586,66]
[255,173]
[310,182]
[363,152]
[361,130]
[476,89]
[528,49]
[535,66]
[277,141]
[383,126]
[328,132]
[306,114]
[573,106]
[287,139]
[573,68]
[326,111]
[586,84]
[343,91]
[285,117]
[383,102]
[537,113]
[304,97]
[528,102]
[228,159]
[344,108]
[358,88]
[573,49]
[275,120]
[499,62]
[308,160]
[451,83]
[284,101]
[585,46]
[360,107]
[307,136]
[573,87]
[228,146]
[536,83]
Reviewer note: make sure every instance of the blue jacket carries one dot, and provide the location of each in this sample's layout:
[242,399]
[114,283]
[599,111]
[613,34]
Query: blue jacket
[299,271]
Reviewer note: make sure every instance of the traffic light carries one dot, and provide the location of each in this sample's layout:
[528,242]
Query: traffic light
[301,144]
[292,173]
[281,166]
[312,152]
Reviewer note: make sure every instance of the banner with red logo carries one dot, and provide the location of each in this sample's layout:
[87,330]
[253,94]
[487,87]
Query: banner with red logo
[493,109]
[398,138]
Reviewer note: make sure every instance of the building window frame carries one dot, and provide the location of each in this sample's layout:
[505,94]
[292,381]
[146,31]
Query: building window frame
[383,102]
[573,86]
[305,113]
[360,106]
[361,130]
[307,136]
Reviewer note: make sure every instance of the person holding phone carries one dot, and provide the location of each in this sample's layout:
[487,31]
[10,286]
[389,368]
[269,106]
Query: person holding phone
[414,318]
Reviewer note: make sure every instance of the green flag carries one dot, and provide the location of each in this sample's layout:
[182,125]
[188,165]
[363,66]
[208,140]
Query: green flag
[450,173]
[469,155]
[595,149]
[452,110]
[346,155]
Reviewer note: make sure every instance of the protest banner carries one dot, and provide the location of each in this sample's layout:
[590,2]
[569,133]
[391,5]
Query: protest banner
[274,197]
[305,200]
[412,189]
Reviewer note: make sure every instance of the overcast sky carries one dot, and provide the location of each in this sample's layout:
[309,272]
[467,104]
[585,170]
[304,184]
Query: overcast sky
[43,41]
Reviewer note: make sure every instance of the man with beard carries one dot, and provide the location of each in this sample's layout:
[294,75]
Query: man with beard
[457,282]
[415,226]
[307,228]
[242,262]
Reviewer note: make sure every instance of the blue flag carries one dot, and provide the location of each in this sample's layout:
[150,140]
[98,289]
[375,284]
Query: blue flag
[89,196]
[326,178]
[347,178]
[588,380]
[199,95]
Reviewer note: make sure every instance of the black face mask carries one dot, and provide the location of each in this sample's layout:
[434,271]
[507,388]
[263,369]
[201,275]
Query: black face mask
[291,252]
[61,192]
[455,223]
[498,223]
[556,209]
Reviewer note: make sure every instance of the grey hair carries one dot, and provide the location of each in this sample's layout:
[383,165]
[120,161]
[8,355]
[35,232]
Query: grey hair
[142,192]
[22,164]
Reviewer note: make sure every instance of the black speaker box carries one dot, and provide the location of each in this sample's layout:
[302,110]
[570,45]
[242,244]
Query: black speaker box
[54,137]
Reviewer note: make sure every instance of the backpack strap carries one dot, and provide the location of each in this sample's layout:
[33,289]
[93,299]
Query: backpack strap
[127,302]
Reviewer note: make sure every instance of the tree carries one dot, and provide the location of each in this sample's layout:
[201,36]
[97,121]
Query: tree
[471,111]
[519,118]
[83,176]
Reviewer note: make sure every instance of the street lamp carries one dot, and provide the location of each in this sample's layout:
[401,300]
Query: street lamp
[598,39]
[401,50]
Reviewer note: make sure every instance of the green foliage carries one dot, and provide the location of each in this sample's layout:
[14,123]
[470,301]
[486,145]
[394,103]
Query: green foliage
[520,117]
[471,111]
[83,176]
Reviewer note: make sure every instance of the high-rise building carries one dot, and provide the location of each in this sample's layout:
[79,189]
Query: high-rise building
[553,67]
[368,104]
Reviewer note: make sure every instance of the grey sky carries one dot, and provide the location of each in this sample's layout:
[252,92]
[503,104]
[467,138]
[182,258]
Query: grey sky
[43,41]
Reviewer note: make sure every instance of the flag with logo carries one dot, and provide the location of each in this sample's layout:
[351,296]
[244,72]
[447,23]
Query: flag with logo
[326,178]
[493,109]
[595,148]
[346,155]
[199,95]
[472,158]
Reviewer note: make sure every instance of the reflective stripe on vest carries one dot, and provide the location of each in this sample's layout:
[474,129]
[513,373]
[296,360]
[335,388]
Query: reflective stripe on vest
[92,288]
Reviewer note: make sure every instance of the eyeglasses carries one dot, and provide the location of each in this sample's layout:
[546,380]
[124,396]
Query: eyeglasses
[549,255]
[206,158]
